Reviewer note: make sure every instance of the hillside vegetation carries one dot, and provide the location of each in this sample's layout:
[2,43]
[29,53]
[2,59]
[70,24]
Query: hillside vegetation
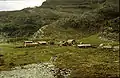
[83,17]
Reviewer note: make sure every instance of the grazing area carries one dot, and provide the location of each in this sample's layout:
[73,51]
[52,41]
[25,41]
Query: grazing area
[83,62]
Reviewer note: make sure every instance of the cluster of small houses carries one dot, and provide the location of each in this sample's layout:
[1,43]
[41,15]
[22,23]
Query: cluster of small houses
[61,43]
[70,42]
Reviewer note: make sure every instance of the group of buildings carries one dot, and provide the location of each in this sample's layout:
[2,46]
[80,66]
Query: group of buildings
[70,42]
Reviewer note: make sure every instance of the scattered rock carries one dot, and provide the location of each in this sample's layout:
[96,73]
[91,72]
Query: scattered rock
[28,71]
[40,70]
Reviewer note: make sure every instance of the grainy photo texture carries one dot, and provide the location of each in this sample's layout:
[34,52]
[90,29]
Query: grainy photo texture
[59,38]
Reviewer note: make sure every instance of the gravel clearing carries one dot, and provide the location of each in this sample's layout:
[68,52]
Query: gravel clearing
[41,70]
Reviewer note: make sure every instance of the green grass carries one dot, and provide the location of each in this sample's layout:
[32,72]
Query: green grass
[94,39]
[83,62]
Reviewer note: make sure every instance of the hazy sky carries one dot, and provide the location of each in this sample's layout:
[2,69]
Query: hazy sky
[9,5]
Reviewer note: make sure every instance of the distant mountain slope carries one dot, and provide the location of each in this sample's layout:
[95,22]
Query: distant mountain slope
[91,16]
[69,3]
[25,22]
[84,17]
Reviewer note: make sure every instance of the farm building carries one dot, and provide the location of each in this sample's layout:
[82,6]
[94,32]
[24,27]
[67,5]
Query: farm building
[42,42]
[84,45]
[71,42]
[103,46]
[30,43]
[116,48]
[107,47]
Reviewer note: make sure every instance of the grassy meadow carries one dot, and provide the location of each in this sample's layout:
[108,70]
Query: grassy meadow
[84,62]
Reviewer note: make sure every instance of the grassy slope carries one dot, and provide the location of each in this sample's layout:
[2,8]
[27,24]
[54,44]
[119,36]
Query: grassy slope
[95,39]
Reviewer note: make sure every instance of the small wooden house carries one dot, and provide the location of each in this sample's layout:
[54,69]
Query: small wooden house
[107,47]
[42,42]
[30,44]
[104,46]
[71,42]
[116,48]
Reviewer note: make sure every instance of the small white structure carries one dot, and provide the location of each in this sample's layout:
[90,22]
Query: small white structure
[84,45]
[42,42]
[101,45]
[116,48]
[70,42]
[107,47]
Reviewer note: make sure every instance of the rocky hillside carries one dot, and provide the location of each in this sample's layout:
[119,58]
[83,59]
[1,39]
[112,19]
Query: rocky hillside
[65,19]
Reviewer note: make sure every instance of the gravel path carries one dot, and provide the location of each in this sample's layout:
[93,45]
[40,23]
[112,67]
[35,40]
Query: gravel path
[41,70]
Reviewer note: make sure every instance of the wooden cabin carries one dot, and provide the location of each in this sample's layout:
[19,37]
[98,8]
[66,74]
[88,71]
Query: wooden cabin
[71,42]
[107,47]
[103,46]
[42,42]
[30,44]
[116,48]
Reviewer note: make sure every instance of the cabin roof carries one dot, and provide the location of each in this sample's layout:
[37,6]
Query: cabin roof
[82,45]
[28,41]
[116,47]
[70,40]
[42,42]
[107,46]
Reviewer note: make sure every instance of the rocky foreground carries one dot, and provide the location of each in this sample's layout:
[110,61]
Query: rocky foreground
[42,70]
